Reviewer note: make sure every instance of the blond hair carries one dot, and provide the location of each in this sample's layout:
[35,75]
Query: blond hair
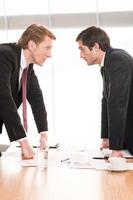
[36,33]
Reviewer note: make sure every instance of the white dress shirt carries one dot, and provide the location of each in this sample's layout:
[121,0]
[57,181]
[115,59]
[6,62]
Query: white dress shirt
[102,63]
[23,65]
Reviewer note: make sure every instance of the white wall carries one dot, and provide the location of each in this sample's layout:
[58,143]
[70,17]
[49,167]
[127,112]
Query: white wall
[72,90]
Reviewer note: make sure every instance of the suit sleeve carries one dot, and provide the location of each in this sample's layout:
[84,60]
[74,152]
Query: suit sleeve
[104,113]
[36,101]
[104,119]
[118,97]
[8,110]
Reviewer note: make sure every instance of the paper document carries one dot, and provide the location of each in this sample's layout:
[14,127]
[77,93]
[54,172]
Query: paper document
[105,153]
[28,163]
[85,160]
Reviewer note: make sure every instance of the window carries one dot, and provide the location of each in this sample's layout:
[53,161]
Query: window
[72,90]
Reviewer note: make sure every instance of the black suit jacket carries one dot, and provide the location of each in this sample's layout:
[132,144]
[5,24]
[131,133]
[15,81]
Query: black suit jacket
[117,101]
[11,96]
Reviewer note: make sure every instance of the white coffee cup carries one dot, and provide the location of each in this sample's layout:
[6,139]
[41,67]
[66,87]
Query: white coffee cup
[117,163]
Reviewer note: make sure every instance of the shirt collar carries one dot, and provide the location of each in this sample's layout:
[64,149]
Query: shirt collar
[102,63]
[23,62]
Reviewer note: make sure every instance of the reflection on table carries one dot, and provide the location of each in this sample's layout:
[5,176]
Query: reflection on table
[60,181]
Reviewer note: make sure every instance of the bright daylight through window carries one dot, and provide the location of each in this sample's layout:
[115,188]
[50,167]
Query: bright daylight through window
[68,84]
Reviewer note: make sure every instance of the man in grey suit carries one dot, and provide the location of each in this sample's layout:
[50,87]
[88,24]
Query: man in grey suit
[33,47]
[117,102]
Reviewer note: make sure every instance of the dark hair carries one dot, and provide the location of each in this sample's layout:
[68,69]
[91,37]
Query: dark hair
[93,35]
[35,32]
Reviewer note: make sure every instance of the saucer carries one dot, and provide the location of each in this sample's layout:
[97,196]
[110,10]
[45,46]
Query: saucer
[120,169]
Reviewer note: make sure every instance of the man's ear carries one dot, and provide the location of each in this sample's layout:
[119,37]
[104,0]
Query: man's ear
[95,48]
[31,45]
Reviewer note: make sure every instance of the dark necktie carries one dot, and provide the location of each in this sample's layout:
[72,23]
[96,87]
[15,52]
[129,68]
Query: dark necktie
[24,94]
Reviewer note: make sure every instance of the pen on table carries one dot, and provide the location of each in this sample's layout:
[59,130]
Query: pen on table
[106,157]
[50,147]
[66,159]
[101,158]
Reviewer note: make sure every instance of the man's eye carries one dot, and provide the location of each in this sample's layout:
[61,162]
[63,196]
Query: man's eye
[48,48]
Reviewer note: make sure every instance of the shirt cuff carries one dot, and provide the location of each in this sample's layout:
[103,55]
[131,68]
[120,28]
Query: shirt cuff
[43,132]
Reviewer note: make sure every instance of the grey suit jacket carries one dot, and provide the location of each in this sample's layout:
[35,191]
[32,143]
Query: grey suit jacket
[117,101]
[11,96]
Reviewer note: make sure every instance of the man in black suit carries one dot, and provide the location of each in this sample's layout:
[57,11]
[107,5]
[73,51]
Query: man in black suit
[34,47]
[117,102]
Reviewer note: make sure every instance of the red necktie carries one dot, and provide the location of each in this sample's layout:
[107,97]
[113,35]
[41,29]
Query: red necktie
[24,94]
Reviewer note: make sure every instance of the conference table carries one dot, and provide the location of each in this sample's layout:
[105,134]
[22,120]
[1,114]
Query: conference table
[61,182]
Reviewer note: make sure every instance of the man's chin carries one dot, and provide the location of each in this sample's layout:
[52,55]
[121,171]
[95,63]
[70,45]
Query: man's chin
[41,64]
[89,64]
